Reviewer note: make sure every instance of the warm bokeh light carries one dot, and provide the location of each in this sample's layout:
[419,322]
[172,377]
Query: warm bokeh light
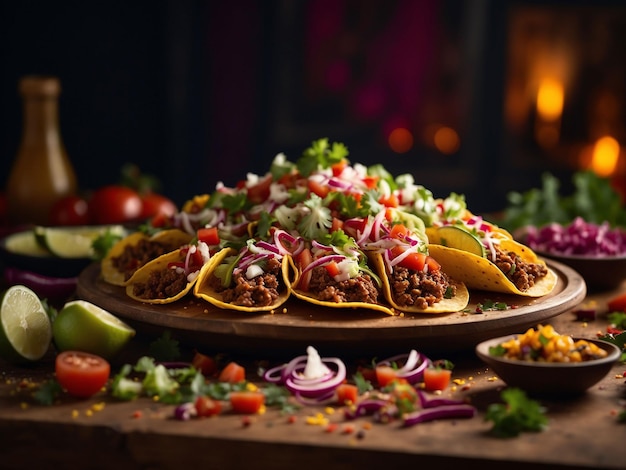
[604,156]
[446,140]
[550,98]
[400,140]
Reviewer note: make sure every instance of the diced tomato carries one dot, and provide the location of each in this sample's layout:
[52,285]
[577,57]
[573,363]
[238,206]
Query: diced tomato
[81,374]
[347,394]
[398,231]
[332,268]
[336,225]
[232,373]
[207,406]
[319,189]
[205,364]
[617,304]
[339,167]
[304,259]
[371,182]
[385,375]
[247,401]
[209,235]
[436,378]
[389,201]
[368,373]
[259,192]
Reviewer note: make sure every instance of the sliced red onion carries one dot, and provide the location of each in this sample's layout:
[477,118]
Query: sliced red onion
[322,261]
[439,412]
[365,407]
[185,411]
[427,402]
[316,387]
[414,364]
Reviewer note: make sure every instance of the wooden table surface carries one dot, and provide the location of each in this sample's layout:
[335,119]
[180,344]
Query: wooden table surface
[101,432]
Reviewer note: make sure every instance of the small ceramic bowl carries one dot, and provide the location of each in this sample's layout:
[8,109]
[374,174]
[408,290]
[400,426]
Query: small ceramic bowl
[549,378]
[601,273]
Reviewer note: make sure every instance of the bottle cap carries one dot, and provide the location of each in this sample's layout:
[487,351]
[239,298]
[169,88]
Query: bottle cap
[39,85]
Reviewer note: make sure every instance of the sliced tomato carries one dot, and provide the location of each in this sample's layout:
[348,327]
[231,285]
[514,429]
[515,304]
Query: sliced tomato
[209,235]
[436,378]
[617,304]
[319,189]
[385,375]
[304,259]
[347,394]
[247,401]
[260,191]
[205,364]
[81,374]
[207,406]
[232,373]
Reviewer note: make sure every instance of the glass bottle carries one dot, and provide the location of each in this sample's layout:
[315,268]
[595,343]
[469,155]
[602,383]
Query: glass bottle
[42,172]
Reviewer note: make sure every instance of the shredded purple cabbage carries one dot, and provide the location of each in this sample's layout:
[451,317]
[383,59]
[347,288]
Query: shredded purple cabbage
[579,238]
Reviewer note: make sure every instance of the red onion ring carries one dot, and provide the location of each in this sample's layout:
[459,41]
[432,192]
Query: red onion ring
[414,364]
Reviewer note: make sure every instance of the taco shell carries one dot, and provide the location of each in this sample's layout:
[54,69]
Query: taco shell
[204,290]
[454,304]
[292,275]
[481,274]
[171,239]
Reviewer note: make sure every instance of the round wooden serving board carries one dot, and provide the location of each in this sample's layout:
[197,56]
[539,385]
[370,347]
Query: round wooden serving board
[201,325]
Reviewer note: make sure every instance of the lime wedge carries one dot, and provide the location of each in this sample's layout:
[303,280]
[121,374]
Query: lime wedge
[72,242]
[455,237]
[83,326]
[25,327]
[25,243]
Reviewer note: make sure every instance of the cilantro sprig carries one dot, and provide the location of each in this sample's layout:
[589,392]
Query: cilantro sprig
[321,155]
[516,414]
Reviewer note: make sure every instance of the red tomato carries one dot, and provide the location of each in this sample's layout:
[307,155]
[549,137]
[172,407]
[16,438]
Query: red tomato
[204,364]
[207,406]
[617,304]
[385,375]
[81,374]
[115,205]
[304,259]
[209,235]
[347,394]
[319,189]
[332,268]
[436,378]
[337,224]
[156,205]
[259,192]
[246,401]
[232,373]
[70,210]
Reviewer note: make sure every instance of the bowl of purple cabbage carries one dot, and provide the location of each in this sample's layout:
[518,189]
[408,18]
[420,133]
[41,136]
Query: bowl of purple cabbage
[596,251]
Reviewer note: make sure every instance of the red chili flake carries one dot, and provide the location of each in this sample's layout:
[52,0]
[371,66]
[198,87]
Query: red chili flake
[246,421]
[292,419]
[137,414]
[331,427]
[348,429]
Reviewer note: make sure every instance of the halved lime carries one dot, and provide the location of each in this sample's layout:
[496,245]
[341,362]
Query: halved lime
[83,326]
[25,327]
[72,242]
[455,237]
[25,243]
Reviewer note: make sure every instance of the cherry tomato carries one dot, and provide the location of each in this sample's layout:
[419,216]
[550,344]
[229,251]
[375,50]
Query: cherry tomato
[154,205]
[207,406]
[436,378]
[81,374]
[347,394]
[70,210]
[232,373]
[246,401]
[115,205]
[205,364]
[617,304]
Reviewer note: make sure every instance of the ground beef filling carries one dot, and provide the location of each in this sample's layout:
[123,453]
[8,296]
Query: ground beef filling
[358,289]
[135,256]
[162,284]
[260,291]
[524,275]
[417,288]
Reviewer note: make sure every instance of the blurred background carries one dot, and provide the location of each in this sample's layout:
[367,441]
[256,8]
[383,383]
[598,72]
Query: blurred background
[474,97]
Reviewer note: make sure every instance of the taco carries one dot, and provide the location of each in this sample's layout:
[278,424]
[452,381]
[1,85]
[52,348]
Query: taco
[507,266]
[170,276]
[251,279]
[135,250]
[337,276]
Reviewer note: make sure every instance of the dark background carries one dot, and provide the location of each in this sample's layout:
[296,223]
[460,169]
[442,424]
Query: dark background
[197,92]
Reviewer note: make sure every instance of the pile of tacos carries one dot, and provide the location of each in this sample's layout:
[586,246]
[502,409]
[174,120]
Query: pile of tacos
[325,231]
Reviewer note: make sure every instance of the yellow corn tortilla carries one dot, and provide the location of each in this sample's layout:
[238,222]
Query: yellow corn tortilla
[204,290]
[481,274]
[159,264]
[454,304]
[292,275]
[171,238]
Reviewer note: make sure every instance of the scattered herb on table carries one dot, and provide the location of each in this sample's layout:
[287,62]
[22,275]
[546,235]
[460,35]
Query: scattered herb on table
[517,414]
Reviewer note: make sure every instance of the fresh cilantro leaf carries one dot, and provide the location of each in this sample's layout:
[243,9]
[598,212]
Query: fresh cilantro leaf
[363,385]
[48,392]
[317,221]
[103,243]
[517,414]
[165,348]
[320,155]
